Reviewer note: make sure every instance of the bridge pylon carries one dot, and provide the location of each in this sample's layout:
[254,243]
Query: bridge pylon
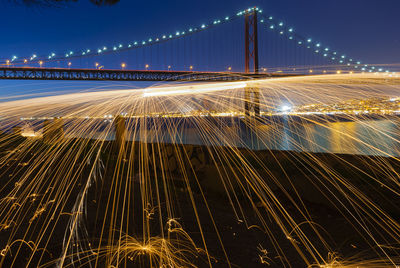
[252,102]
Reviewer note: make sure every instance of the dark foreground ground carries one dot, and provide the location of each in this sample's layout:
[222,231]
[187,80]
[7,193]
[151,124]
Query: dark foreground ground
[319,185]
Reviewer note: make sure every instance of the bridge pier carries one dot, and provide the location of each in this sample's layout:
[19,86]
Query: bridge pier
[120,132]
[252,102]
[252,118]
[53,130]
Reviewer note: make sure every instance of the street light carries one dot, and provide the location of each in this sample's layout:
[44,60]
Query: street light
[69,64]
[169,67]
[146,66]
[40,63]
[229,68]
[96,65]
[25,61]
[123,65]
[191,67]
[7,62]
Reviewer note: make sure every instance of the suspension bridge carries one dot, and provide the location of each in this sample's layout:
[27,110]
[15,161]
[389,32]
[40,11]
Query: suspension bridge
[247,45]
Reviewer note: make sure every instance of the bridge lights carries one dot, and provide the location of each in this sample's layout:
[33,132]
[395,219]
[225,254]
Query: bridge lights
[123,65]
[69,64]
[146,66]
[169,67]
[25,61]
[191,67]
[309,40]
[40,63]
[229,68]
[7,62]
[96,65]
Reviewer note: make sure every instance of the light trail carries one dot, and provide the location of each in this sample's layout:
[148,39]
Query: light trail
[192,89]
[144,199]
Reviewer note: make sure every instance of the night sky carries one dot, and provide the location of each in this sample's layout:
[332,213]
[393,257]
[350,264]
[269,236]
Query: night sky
[368,30]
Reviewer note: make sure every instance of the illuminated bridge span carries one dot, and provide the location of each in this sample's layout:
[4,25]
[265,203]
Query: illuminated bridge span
[247,45]
[29,73]
[246,42]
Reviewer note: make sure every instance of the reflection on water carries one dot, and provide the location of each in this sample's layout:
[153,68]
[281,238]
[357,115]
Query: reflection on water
[368,137]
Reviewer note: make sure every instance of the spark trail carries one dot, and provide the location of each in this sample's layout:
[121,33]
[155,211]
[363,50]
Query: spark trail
[114,178]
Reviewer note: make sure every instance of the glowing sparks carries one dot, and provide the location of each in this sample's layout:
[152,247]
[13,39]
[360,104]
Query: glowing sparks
[192,89]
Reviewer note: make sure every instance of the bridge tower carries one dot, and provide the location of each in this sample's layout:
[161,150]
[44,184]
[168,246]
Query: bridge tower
[252,95]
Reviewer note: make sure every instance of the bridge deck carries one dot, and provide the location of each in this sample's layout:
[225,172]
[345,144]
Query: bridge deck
[31,73]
